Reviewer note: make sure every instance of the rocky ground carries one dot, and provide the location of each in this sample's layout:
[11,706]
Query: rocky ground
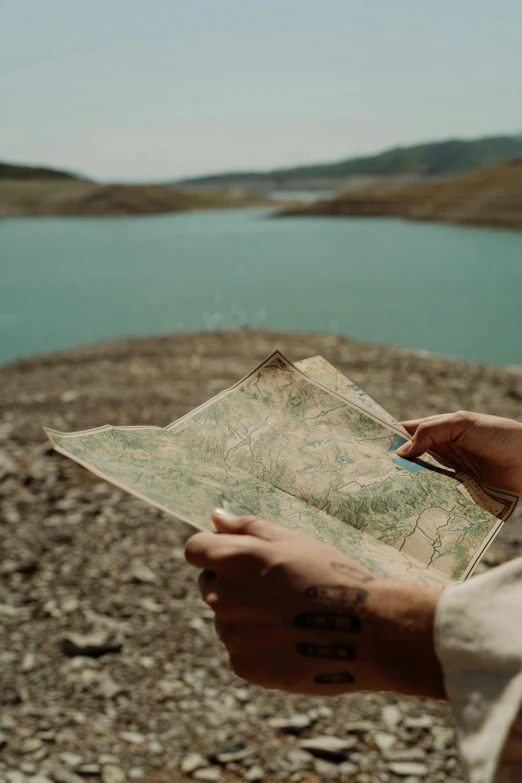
[109,667]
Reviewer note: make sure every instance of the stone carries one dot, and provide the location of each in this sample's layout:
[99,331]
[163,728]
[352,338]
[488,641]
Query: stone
[348,769]
[93,645]
[132,737]
[31,745]
[235,751]
[108,688]
[62,775]
[328,747]
[15,777]
[71,760]
[108,758]
[209,774]
[391,716]
[112,774]
[136,773]
[407,768]
[384,741]
[407,754]
[141,573]
[192,761]
[326,770]
[255,773]
[28,662]
[422,722]
[299,759]
[7,466]
[359,727]
[294,724]
[86,770]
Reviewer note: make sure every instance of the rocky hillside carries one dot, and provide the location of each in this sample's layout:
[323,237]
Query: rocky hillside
[110,670]
[492,197]
[76,198]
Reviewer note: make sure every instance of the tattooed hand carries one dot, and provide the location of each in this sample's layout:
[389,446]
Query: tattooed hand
[298,615]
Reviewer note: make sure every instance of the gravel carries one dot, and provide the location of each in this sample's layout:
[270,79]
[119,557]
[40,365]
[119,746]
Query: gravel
[110,669]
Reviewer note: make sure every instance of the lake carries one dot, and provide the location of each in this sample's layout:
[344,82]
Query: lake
[453,291]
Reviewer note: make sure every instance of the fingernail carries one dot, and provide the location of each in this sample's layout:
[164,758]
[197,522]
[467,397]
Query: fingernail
[404,448]
[224,516]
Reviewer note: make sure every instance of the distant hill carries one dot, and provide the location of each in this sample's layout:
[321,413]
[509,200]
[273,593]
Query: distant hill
[75,198]
[436,159]
[18,171]
[490,197]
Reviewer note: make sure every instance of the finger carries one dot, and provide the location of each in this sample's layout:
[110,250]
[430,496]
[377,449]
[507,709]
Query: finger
[412,424]
[198,550]
[216,553]
[210,589]
[250,525]
[431,432]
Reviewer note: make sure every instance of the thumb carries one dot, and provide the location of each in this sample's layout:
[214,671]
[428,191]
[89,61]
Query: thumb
[252,526]
[431,432]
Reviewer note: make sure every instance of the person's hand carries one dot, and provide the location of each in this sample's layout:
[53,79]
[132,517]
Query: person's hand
[487,446]
[298,615]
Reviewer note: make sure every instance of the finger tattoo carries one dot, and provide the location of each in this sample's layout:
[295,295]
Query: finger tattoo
[334,678]
[339,594]
[332,652]
[329,621]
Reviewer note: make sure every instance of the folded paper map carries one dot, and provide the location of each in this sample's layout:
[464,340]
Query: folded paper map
[301,445]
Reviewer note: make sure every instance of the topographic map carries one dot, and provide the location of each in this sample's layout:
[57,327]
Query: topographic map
[304,447]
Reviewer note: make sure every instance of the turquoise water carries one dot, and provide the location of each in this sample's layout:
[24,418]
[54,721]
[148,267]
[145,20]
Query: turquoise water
[453,291]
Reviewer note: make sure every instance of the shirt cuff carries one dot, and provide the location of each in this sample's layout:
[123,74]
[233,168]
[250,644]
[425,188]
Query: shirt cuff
[478,640]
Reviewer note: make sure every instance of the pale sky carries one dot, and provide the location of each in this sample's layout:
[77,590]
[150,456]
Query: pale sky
[161,89]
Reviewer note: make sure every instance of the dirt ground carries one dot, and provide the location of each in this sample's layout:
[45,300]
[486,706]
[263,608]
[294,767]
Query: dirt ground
[80,556]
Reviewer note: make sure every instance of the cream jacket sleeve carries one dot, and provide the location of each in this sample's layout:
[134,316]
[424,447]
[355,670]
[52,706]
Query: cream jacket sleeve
[478,639]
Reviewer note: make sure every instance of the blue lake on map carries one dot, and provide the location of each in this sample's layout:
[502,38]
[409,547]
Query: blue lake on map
[453,291]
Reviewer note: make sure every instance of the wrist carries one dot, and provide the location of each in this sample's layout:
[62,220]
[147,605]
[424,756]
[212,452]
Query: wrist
[402,617]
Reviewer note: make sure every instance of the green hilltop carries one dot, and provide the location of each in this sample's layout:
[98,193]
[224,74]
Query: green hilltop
[435,159]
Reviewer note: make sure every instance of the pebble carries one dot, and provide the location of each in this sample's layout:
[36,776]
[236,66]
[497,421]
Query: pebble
[89,769]
[141,573]
[209,774]
[28,662]
[406,768]
[108,758]
[31,745]
[71,760]
[293,724]
[422,722]
[384,741]
[359,726]
[255,773]
[391,716]
[326,769]
[192,761]
[299,759]
[135,773]
[112,774]
[328,747]
[93,645]
[407,754]
[132,737]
